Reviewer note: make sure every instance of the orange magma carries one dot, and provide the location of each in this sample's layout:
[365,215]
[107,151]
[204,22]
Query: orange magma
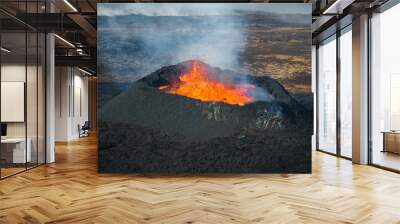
[197,84]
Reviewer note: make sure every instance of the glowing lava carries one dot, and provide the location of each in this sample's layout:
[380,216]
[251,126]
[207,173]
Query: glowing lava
[197,84]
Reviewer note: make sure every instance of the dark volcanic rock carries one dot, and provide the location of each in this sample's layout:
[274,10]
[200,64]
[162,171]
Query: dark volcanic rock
[146,130]
[134,149]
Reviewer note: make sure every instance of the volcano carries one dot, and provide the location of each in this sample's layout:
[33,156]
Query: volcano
[194,112]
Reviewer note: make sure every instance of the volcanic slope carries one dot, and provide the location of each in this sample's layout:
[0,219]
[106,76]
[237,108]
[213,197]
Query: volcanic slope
[146,105]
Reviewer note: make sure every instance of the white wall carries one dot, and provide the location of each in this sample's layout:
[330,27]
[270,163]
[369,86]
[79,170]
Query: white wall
[13,73]
[80,109]
[33,126]
[71,102]
[62,82]
[16,73]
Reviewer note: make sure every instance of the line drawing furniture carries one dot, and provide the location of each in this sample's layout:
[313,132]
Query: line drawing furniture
[391,141]
[13,150]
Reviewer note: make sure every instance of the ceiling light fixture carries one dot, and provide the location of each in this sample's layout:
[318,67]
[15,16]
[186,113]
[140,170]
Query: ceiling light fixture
[65,41]
[329,9]
[80,51]
[84,71]
[70,5]
[5,50]
[337,7]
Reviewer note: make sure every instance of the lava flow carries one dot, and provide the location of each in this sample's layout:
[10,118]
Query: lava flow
[197,84]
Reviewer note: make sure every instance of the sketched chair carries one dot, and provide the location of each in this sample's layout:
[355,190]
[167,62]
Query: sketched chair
[84,130]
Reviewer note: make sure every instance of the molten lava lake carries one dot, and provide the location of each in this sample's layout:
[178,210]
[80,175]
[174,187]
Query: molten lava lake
[200,85]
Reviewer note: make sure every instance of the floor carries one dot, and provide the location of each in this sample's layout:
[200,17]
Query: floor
[10,171]
[387,159]
[5,172]
[71,191]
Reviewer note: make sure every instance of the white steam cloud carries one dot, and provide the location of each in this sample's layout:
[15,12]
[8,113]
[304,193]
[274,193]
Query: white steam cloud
[216,40]
[198,9]
[157,35]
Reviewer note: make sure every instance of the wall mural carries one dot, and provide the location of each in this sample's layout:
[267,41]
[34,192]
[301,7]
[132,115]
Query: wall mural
[204,88]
